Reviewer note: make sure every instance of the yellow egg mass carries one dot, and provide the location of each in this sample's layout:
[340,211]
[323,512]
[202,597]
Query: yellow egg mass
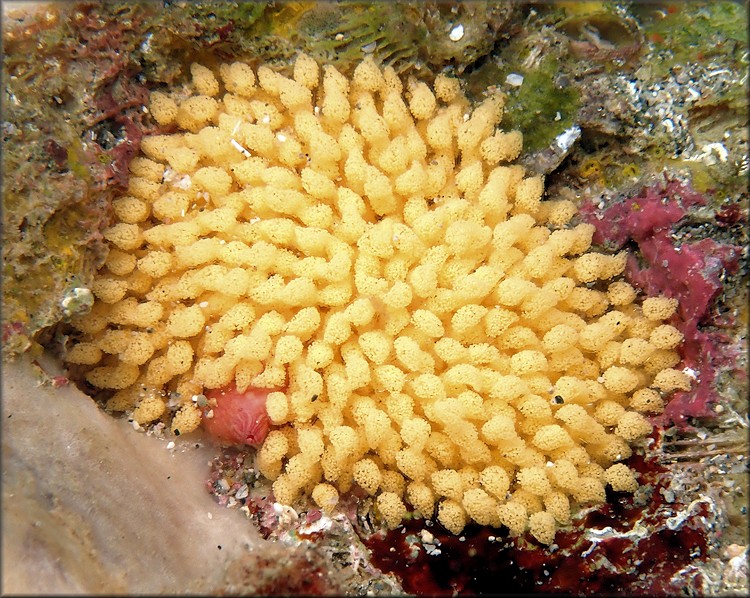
[437,333]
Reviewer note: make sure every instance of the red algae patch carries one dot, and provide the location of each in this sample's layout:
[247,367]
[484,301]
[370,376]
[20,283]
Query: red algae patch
[607,553]
[691,272]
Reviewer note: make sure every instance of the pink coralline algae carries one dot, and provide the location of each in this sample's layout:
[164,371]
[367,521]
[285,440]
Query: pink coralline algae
[690,272]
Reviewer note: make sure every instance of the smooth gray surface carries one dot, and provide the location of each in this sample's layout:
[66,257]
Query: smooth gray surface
[92,506]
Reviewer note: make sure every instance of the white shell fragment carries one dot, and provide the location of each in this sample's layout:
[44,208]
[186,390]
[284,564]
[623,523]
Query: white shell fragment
[514,79]
[456,33]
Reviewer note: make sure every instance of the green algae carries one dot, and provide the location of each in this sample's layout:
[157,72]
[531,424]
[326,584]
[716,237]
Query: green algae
[542,107]
[342,33]
[695,31]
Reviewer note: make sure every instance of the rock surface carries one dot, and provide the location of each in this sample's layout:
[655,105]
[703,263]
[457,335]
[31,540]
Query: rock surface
[90,506]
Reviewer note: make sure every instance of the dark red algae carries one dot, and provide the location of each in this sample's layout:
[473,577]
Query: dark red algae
[633,545]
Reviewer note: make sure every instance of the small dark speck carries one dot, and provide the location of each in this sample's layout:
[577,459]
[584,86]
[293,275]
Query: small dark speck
[219,547]
[314,398]
[176,432]
[169,477]
[10,415]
